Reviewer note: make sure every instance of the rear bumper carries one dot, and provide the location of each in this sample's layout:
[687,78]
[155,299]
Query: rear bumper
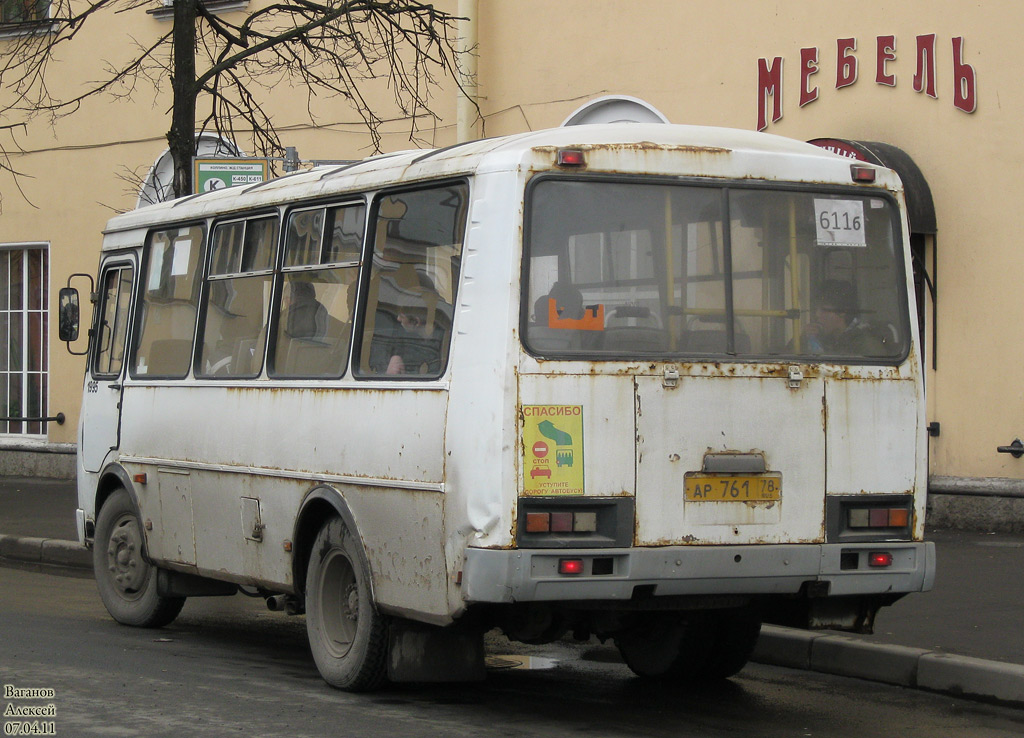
[531,575]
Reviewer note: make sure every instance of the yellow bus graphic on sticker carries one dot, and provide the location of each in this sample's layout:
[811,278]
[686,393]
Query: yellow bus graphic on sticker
[552,449]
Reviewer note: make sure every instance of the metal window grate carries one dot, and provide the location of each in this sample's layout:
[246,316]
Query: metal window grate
[24,337]
[24,11]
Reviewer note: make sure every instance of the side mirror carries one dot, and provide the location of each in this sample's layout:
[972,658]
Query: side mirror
[69,319]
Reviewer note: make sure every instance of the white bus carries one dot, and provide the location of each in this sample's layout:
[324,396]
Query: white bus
[650,383]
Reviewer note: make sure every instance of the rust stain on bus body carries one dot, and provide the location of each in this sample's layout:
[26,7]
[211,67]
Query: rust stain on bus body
[640,156]
[635,147]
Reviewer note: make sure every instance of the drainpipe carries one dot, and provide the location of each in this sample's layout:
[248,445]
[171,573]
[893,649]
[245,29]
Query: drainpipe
[466,110]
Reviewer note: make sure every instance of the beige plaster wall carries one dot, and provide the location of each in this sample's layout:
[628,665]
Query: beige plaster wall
[696,62]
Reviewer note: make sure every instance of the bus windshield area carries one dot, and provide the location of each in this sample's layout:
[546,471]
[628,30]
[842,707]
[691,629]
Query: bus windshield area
[621,269]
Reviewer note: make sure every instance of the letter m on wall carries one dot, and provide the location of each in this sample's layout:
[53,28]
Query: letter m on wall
[769,82]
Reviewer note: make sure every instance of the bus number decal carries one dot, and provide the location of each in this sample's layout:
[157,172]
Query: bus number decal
[839,222]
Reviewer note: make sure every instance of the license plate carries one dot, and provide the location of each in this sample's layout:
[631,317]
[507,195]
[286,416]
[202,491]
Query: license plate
[733,487]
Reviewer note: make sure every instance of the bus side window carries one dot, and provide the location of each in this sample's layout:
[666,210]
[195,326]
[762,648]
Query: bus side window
[169,297]
[237,298]
[313,328]
[410,301]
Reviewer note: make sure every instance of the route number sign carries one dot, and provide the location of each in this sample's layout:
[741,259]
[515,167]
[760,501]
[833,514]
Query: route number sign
[217,173]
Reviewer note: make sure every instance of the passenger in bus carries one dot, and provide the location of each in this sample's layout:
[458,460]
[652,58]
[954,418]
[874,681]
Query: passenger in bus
[836,328]
[304,316]
[415,346]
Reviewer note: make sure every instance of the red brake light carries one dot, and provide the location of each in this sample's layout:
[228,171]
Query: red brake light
[570,158]
[879,517]
[561,522]
[570,566]
[879,559]
[862,173]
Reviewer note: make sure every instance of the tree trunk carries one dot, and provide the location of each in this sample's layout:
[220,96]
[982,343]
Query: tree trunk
[181,139]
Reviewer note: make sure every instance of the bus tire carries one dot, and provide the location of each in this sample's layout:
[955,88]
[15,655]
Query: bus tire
[347,636]
[125,577]
[665,646]
[736,637]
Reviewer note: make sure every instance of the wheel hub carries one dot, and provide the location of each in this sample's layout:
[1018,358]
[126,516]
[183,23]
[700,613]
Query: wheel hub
[352,603]
[339,591]
[124,553]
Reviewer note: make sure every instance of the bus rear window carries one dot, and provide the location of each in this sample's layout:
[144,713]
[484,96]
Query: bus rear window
[623,269]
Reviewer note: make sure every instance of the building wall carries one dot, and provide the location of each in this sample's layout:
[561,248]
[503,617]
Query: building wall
[697,62]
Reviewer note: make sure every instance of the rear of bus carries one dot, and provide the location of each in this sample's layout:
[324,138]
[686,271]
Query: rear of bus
[719,402]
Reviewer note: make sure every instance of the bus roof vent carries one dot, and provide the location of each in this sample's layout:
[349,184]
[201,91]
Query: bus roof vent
[615,109]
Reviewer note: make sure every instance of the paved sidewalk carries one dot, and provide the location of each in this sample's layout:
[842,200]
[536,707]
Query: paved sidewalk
[963,638]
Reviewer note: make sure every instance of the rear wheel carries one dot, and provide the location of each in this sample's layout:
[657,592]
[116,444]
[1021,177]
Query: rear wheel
[690,648]
[735,639]
[347,636]
[666,646]
[124,576]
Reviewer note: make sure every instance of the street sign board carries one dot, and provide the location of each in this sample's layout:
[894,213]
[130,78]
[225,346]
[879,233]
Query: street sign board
[216,173]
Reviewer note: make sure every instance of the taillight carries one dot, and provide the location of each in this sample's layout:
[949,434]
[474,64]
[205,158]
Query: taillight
[862,173]
[570,158]
[879,559]
[878,517]
[561,522]
[570,566]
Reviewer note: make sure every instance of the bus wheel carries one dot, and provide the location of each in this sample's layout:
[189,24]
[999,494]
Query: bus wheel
[348,637]
[124,576]
[735,639]
[665,645]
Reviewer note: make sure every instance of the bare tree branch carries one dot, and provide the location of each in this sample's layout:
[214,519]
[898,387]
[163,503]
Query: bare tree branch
[334,48]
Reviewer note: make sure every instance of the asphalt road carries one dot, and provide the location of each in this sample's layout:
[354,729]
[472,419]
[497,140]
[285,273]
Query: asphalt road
[227,666]
[974,610]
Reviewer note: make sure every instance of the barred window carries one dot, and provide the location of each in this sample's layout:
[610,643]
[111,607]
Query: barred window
[24,326]
[23,11]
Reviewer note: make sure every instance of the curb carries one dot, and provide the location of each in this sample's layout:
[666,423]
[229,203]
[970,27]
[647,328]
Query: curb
[916,668]
[47,551]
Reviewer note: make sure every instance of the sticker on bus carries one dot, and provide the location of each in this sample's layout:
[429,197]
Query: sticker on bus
[839,223]
[552,449]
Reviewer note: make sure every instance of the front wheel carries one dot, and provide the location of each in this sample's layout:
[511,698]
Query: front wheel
[124,576]
[348,637]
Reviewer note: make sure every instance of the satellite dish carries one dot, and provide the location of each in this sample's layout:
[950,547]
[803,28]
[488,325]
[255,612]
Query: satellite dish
[157,185]
[615,109]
